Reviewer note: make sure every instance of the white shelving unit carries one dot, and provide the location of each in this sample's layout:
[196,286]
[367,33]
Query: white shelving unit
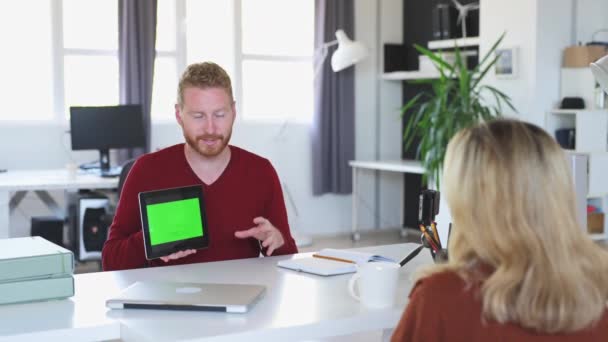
[452,43]
[591,139]
[409,75]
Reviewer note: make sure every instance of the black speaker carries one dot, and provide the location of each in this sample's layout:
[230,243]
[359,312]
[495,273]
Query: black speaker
[444,21]
[49,228]
[394,57]
[566,138]
[90,220]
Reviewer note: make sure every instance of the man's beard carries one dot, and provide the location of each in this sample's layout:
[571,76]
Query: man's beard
[197,143]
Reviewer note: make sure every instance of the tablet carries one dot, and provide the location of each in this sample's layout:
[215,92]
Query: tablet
[173,220]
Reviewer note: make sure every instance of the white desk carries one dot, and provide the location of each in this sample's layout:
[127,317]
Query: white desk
[401,166]
[298,305]
[19,182]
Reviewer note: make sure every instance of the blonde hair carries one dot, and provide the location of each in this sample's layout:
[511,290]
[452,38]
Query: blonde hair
[512,202]
[204,75]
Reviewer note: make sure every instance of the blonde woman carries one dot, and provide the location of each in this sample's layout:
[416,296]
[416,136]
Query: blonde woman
[520,268]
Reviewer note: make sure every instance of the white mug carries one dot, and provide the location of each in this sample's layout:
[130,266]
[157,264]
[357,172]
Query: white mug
[72,170]
[377,284]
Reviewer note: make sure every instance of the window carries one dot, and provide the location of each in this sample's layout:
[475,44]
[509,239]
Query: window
[26,60]
[65,54]
[269,58]
[164,87]
[277,66]
[90,53]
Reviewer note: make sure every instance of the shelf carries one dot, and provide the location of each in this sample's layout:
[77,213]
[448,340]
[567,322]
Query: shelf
[597,236]
[409,75]
[575,111]
[452,43]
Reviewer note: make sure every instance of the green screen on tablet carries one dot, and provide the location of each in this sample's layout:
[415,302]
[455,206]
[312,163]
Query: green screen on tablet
[175,220]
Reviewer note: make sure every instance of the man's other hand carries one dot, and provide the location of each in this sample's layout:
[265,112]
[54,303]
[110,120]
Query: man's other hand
[264,231]
[178,255]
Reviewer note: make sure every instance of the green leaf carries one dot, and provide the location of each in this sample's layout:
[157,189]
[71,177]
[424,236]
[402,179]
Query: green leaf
[455,101]
[434,57]
[491,52]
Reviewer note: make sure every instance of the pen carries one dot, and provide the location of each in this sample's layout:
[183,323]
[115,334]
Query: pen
[411,255]
[332,258]
[435,234]
[429,239]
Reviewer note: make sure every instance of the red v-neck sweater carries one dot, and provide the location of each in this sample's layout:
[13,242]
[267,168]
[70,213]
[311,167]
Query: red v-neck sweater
[249,187]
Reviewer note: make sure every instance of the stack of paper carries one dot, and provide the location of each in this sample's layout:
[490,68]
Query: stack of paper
[32,268]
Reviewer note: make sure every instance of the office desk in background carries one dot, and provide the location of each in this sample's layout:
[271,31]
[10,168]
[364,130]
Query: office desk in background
[295,305]
[400,166]
[14,185]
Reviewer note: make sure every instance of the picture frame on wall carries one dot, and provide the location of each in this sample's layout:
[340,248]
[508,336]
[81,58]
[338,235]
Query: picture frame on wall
[506,64]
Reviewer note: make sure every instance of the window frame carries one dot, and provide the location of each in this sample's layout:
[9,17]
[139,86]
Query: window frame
[58,53]
[239,58]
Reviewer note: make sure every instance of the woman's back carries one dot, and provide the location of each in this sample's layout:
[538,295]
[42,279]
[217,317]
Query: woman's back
[443,307]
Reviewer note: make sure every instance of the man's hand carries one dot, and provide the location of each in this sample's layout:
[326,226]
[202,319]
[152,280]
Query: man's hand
[264,231]
[178,255]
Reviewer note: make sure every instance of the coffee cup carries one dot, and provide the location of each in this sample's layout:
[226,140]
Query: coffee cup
[375,284]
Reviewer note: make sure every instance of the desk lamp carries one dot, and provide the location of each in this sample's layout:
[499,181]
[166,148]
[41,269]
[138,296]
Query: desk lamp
[348,53]
[600,71]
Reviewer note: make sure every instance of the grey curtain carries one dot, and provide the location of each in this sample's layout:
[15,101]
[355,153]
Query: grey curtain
[333,129]
[136,53]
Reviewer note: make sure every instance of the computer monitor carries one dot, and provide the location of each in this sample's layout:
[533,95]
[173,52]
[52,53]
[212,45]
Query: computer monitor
[103,128]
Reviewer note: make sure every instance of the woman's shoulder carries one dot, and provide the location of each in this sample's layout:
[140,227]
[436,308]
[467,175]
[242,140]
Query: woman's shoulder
[445,286]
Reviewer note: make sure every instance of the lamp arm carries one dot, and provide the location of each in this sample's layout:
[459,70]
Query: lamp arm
[323,49]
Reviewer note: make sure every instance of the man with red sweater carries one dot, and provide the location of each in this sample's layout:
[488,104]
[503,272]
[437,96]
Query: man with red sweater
[243,198]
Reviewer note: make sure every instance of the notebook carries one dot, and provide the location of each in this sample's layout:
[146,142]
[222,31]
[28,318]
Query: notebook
[331,261]
[324,267]
[350,256]
[29,258]
[237,298]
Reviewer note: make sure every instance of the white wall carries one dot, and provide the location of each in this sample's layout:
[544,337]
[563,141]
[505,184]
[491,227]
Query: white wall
[288,147]
[378,127]
[541,29]
[592,15]
[518,19]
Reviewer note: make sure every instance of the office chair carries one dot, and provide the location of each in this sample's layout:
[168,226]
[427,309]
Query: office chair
[126,167]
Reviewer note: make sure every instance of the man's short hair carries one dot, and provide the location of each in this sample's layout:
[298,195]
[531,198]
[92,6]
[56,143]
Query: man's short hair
[204,75]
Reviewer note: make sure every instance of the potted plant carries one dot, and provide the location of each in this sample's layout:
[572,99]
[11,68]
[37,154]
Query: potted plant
[458,99]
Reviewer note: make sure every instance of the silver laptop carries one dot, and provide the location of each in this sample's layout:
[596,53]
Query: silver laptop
[187,296]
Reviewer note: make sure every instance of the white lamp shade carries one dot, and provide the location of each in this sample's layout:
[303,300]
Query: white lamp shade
[348,52]
[600,71]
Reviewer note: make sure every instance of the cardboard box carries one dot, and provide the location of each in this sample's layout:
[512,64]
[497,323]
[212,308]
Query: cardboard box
[581,56]
[595,223]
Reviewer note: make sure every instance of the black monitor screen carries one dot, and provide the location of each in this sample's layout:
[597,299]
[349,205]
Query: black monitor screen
[102,128]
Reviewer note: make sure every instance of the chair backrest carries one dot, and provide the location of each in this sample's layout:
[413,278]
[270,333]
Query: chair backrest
[126,167]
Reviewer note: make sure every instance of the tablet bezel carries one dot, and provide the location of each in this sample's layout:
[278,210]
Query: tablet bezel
[167,195]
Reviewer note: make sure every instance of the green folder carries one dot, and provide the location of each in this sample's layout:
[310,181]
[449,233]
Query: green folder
[35,290]
[33,257]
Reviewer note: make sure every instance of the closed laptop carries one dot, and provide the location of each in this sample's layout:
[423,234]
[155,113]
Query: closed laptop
[188,296]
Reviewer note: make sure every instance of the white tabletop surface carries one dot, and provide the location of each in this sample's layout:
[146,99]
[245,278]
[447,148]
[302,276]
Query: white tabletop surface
[26,180]
[295,304]
[409,166]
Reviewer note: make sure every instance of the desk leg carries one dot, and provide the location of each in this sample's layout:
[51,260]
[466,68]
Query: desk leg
[15,200]
[50,203]
[355,234]
[4,214]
